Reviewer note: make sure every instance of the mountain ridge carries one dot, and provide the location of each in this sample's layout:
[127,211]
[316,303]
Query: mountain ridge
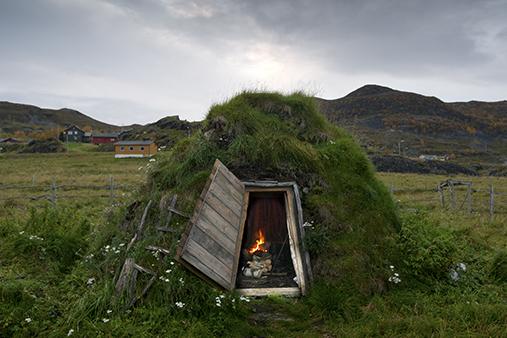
[28,118]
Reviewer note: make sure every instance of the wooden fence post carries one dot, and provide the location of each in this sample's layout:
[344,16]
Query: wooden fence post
[111,189]
[491,202]
[442,197]
[453,195]
[53,192]
[469,198]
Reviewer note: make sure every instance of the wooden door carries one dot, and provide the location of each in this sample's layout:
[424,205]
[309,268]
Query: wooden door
[213,239]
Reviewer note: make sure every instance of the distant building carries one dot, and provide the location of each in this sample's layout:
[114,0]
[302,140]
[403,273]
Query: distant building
[125,149]
[100,138]
[434,158]
[72,134]
[87,137]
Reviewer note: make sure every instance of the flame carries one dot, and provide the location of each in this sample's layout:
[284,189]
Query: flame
[258,243]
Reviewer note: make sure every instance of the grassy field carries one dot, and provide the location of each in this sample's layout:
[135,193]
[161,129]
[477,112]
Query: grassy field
[81,176]
[48,295]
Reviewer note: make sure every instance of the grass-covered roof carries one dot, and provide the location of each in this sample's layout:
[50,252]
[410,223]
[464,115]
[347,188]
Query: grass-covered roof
[285,137]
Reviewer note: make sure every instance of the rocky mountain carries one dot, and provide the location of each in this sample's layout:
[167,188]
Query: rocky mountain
[389,121]
[22,117]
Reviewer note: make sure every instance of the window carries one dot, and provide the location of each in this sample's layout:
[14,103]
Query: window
[122,148]
[142,148]
[131,148]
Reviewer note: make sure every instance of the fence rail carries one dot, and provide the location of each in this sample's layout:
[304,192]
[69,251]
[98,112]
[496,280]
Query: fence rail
[55,191]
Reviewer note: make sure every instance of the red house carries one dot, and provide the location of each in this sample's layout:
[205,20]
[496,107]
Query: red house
[99,138]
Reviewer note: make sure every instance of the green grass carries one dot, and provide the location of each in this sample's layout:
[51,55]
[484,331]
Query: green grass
[58,300]
[48,254]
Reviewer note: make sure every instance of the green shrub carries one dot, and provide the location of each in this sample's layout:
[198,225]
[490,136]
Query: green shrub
[426,250]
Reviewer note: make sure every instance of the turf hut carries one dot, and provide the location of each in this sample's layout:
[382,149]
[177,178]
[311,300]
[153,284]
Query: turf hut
[248,235]
[278,197]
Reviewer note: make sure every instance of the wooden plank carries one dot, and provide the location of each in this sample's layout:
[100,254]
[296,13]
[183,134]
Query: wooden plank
[239,239]
[158,249]
[207,227]
[269,184]
[224,196]
[218,222]
[262,292]
[307,264]
[170,214]
[207,273]
[221,271]
[293,234]
[210,242]
[214,247]
[177,212]
[236,192]
[225,210]
[230,176]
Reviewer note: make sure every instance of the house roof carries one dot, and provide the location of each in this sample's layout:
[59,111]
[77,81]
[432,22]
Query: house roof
[73,126]
[134,143]
[111,135]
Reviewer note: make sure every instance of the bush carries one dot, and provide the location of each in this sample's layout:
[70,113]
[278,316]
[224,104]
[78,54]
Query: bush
[426,250]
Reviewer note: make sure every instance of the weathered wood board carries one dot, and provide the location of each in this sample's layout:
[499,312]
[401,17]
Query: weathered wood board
[210,243]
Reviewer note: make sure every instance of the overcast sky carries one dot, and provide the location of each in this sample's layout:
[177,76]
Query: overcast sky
[135,61]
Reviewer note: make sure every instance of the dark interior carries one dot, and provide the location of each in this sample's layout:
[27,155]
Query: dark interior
[266,210]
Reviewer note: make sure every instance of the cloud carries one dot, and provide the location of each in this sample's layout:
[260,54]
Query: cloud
[156,57]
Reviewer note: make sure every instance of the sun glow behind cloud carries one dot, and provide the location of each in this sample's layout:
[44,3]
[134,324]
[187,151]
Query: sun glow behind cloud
[134,61]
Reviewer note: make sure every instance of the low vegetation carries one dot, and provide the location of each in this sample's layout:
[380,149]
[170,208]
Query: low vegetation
[435,271]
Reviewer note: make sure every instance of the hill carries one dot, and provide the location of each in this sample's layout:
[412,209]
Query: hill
[390,121]
[165,132]
[27,118]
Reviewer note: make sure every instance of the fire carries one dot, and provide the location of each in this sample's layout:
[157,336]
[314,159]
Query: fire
[258,243]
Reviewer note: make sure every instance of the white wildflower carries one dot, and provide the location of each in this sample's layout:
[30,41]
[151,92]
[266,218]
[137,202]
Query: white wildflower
[454,275]
[180,304]
[71,331]
[121,244]
[462,267]
[168,271]
[105,320]
[152,160]
[28,320]
[244,299]
[109,311]
[21,232]
[172,263]
[394,279]
[181,281]
[391,267]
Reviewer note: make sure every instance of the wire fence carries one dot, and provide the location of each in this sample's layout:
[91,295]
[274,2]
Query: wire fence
[484,199]
[54,191]
[487,198]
